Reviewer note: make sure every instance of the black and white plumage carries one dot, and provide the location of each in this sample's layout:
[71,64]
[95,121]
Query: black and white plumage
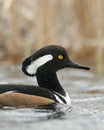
[43,64]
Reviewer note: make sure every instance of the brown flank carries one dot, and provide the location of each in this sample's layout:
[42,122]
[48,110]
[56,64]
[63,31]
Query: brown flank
[23,100]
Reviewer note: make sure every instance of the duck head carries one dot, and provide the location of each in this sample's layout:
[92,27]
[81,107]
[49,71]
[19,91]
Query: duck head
[51,59]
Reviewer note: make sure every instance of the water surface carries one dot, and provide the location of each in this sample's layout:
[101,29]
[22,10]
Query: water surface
[87,96]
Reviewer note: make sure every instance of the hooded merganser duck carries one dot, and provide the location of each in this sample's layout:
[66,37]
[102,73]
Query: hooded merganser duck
[43,64]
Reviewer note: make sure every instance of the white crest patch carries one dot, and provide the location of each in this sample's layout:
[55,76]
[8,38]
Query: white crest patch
[32,68]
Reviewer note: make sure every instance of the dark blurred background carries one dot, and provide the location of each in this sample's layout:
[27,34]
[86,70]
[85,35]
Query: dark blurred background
[78,25]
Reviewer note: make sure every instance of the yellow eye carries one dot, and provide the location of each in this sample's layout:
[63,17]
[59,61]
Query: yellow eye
[60,57]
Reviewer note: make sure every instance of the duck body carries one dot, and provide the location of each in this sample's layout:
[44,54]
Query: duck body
[24,96]
[43,64]
[29,96]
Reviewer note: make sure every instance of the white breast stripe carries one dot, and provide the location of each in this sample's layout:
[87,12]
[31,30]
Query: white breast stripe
[58,99]
[32,68]
[66,98]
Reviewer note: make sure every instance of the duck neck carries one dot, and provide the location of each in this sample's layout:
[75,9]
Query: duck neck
[49,80]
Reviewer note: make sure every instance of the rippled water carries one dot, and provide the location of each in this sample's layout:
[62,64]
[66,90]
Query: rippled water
[87,96]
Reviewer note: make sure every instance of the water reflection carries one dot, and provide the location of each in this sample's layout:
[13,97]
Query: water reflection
[32,114]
